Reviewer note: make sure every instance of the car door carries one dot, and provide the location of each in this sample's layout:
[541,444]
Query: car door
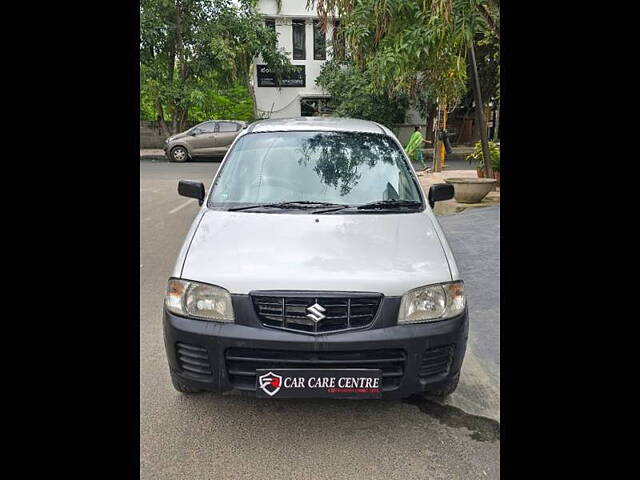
[226,133]
[204,140]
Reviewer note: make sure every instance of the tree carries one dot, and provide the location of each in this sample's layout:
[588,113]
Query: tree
[193,52]
[487,51]
[237,37]
[352,96]
[418,47]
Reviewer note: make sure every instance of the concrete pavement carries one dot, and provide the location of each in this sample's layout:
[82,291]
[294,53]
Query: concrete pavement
[152,154]
[450,207]
[157,154]
[208,436]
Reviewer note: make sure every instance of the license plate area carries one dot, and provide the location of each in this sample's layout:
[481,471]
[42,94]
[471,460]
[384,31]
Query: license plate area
[314,383]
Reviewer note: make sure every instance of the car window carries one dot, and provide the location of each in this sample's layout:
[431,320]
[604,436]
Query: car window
[208,127]
[228,127]
[338,167]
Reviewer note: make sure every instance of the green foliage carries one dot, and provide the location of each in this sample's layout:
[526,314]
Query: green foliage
[147,107]
[233,103]
[415,47]
[352,94]
[488,62]
[196,58]
[478,156]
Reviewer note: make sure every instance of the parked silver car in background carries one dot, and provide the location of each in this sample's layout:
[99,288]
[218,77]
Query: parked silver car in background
[207,139]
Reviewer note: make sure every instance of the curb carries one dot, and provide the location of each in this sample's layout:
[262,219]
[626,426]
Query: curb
[451,207]
[153,157]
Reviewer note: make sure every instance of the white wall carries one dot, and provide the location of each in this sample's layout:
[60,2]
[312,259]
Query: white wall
[289,7]
[282,102]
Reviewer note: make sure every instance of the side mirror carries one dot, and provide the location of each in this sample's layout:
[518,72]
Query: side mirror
[440,192]
[190,189]
[195,132]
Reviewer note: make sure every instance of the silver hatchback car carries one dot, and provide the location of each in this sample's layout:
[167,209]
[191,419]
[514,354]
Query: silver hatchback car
[207,139]
[316,268]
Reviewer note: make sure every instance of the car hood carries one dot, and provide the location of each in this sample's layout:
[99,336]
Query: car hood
[177,136]
[385,253]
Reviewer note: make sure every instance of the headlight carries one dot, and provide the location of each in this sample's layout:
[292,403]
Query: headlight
[199,300]
[432,302]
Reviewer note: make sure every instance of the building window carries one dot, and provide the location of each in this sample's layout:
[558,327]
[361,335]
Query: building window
[270,23]
[315,107]
[319,42]
[299,52]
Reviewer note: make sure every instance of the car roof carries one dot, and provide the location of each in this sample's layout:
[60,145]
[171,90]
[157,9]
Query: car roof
[222,120]
[309,124]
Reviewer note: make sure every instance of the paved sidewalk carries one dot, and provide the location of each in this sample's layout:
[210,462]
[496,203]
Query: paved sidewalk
[451,207]
[152,154]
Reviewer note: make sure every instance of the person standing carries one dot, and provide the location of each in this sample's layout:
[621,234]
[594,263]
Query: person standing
[414,147]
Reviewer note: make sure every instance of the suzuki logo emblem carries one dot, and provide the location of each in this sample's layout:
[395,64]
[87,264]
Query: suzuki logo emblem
[315,312]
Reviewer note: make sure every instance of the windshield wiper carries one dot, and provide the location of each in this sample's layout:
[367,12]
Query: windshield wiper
[383,204]
[291,204]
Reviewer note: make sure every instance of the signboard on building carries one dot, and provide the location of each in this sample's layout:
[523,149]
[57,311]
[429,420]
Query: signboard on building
[266,78]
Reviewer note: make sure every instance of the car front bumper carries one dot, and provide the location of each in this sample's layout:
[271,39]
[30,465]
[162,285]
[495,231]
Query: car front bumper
[415,357]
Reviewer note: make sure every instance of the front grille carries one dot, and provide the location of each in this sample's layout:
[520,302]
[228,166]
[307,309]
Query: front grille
[193,359]
[436,361]
[335,312]
[241,364]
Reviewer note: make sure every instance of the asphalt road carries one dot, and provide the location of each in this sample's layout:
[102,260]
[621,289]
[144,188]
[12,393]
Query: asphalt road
[207,436]
[474,238]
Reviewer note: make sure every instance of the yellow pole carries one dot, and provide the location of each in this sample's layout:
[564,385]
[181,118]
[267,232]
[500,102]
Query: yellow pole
[444,127]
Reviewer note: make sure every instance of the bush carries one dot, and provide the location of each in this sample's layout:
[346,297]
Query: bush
[351,97]
[234,103]
[206,103]
[478,156]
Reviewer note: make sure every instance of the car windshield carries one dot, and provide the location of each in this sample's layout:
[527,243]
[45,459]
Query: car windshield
[344,168]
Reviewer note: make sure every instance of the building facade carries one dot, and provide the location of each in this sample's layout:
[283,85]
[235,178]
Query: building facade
[308,48]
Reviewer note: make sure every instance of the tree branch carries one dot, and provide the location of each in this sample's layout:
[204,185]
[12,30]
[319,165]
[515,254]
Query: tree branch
[490,20]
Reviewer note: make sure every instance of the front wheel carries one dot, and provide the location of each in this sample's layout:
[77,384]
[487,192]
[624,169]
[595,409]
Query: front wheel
[179,154]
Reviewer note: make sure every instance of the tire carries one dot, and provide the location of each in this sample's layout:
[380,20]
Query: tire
[179,154]
[445,390]
[182,387]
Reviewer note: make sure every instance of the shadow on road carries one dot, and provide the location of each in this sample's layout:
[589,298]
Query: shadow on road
[319,417]
[205,434]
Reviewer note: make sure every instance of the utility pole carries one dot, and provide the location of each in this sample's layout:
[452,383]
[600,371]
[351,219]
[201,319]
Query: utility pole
[479,113]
